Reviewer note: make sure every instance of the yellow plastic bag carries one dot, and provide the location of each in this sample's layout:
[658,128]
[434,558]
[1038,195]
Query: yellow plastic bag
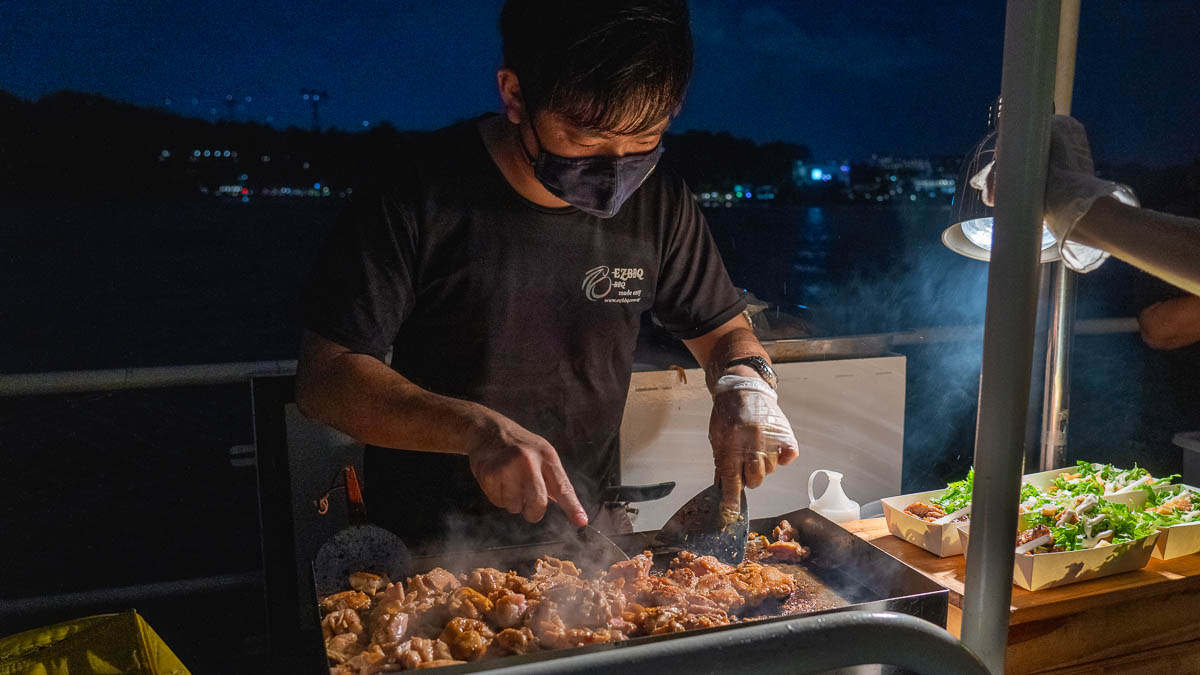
[106,644]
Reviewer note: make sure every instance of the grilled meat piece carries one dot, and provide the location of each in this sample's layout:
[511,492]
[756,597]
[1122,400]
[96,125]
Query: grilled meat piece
[366,582]
[346,600]
[468,639]
[632,570]
[469,603]
[547,626]
[755,583]
[1031,534]
[701,565]
[373,660]
[341,621]
[785,532]
[509,609]
[414,653]
[925,511]
[787,551]
[340,648]
[516,640]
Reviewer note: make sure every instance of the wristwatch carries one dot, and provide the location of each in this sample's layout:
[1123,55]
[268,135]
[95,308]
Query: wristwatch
[760,366]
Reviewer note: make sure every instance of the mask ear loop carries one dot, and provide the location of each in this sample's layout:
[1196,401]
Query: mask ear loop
[521,141]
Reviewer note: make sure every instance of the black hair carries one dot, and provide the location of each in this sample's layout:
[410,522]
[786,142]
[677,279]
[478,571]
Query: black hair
[614,66]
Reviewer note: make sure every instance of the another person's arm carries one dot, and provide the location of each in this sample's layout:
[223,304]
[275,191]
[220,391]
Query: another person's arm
[1171,324]
[1162,244]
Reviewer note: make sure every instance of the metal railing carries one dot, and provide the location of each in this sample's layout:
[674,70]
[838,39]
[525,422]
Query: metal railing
[113,379]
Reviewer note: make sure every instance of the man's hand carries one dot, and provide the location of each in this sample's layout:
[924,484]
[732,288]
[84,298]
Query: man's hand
[750,435]
[519,472]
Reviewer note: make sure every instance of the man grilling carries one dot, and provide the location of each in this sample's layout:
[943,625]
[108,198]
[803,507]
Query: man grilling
[505,263]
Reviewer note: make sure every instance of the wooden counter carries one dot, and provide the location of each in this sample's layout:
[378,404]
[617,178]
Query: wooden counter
[1147,621]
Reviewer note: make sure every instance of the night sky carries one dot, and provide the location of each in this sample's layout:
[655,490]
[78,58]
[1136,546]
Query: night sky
[847,79]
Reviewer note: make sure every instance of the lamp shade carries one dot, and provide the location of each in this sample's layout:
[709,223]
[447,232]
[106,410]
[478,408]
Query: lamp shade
[971,220]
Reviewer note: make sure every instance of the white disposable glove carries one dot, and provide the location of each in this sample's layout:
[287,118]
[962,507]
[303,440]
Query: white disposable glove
[1071,188]
[750,436]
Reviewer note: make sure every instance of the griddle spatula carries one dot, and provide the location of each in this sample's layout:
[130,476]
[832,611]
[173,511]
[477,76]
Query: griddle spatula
[704,528]
[358,547]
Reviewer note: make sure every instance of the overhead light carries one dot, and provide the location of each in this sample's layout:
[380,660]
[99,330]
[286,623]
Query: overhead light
[971,220]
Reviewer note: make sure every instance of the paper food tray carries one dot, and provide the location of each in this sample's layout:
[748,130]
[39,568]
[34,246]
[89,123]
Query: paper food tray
[940,540]
[1047,570]
[1178,540]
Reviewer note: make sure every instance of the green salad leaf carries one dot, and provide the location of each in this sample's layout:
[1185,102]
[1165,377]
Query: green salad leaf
[958,494]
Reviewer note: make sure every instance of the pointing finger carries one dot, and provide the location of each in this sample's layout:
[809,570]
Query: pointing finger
[559,488]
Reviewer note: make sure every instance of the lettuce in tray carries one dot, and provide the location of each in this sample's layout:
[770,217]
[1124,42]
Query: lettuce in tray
[1105,479]
[1173,505]
[1077,522]
[958,494]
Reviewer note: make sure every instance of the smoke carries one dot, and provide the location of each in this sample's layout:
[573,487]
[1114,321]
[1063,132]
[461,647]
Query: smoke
[887,271]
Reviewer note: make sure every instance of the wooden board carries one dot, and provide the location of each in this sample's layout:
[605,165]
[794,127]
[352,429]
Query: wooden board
[1132,622]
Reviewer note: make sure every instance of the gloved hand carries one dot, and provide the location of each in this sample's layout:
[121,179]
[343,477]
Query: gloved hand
[1071,188]
[750,436]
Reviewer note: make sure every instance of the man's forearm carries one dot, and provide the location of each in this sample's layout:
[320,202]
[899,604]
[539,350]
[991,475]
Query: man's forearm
[730,341]
[374,404]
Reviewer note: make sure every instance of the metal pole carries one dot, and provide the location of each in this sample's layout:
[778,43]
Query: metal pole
[1056,397]
[1027,88]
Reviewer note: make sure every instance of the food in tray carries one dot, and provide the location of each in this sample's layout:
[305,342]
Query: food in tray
[1174,505]
[1058,521]
[1104,479]
[441,618]
[955,500]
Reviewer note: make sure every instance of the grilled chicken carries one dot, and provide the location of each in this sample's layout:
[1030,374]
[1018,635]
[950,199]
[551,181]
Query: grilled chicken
[439,618]
[925,511]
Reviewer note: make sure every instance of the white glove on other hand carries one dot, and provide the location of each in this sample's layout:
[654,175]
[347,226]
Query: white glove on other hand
[750,435]
[1071,189]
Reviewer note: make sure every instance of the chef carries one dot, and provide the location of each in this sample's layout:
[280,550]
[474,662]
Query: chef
[504,263]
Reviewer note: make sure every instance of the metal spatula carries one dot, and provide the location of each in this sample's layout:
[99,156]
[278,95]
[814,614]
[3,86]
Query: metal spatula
[700,526]
[359,547]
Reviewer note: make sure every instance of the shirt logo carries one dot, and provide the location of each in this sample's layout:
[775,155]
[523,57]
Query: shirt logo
[599,282]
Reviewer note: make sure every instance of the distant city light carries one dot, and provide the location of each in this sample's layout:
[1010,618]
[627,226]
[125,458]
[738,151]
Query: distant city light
[266,158]
[244,176]
[739,194]
[316,186]
[167,101]
[207,153]
[306,97]
[226,153]
[249,99]
[165,153]
[845,167]
[195,101]
[195,153]
[245,191]
[748,195]
[366,123]
[816,174]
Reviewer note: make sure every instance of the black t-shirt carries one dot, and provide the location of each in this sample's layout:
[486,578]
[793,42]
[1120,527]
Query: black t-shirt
[530,311]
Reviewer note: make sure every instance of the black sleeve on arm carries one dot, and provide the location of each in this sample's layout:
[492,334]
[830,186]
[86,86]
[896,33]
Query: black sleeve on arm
[694,294]
[361,288]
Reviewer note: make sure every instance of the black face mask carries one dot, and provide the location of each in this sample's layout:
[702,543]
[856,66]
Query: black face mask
[598,185]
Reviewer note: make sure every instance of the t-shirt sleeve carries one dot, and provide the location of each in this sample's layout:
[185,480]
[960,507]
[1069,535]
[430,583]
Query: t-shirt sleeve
[694,293]
[361,288]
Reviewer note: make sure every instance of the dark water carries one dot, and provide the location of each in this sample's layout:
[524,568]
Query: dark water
[139,483]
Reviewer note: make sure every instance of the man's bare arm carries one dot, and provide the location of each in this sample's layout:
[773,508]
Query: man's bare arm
[731,340]
[363,397]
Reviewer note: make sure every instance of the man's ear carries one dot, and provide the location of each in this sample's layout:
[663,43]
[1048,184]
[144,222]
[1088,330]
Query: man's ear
[510,95]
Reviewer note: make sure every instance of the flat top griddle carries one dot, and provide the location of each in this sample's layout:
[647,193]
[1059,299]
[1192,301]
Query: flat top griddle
[844,573]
